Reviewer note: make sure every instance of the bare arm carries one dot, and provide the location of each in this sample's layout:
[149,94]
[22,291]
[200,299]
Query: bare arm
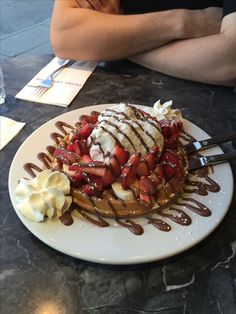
[80,33]
[210,59]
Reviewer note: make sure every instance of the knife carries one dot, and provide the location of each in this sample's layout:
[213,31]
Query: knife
[195,146]
[195,163]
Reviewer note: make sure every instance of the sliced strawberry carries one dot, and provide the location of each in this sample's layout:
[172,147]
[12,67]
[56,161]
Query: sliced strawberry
[147,185]
[109,177]
[94,168]
[170,127]
[86,119]
[121,154]
[75,147]
[143,169]
[86,159]
[170,156]
[86,130]
[144,194]
[145,198]
[151,157]
[157,175]
[79,147]
[94,186]
[115,166]
[128,174]
[172,141]
[169,171]
[65,156]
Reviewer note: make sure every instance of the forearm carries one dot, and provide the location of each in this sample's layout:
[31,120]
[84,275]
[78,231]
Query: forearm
[90,35]
[210,59]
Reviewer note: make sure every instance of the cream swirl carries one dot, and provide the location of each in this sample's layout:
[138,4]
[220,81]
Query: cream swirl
[45,195]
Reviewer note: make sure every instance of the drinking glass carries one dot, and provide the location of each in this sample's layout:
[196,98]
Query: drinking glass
[2,88]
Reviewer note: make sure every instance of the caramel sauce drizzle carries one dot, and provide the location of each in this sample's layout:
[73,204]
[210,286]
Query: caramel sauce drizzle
[173,213]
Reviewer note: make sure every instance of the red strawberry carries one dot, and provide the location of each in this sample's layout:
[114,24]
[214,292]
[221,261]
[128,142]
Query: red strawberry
[121,154]
[144,194]
[115,166]
[109,177]
[79,147]
[157,175]
[170,127]
[86,130]
[86,119]
[128,173]
[151,157]
[169,171]
[65,156]
[143,169]
[93,189]
[147,185]
[94,168]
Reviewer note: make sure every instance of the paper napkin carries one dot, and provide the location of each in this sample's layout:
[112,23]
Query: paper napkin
[8,130]
[67,83]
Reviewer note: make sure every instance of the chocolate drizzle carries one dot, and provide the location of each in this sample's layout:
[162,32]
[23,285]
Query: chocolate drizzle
[198,182]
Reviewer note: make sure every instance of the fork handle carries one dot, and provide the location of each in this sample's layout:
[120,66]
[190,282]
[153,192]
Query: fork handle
[65,65]
[219,158]
[210,142]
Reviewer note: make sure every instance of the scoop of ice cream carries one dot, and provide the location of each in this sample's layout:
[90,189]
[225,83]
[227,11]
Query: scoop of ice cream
[124,125]
[45,195]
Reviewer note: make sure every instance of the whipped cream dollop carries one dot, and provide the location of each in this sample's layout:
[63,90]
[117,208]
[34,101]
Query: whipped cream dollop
[164,111]
[124,125]
[45,195]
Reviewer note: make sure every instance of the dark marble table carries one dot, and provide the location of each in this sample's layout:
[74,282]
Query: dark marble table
[37,279]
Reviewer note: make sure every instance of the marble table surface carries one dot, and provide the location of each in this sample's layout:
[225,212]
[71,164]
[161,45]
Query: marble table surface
[37,279]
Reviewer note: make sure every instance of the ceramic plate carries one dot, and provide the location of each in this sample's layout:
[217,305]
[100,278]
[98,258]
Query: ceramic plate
[116,244]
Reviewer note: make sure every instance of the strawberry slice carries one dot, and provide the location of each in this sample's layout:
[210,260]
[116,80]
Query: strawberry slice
[65,156]
[94,186]
[86,119]
[157,176]
[115,166]
[170,127]
[128,173]
[169,171]
[95,168]
[79,147]
[170,163]
[86,130]
[152,156]
[121,154]
[143,168]
[144,194]
[147,185]
[109,177]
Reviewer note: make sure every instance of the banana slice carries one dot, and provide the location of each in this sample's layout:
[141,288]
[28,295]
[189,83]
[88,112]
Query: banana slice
[125,195]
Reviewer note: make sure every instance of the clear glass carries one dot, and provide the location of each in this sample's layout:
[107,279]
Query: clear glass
[2,88]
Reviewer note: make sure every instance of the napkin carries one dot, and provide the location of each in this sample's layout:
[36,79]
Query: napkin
[8,130]
[67,83]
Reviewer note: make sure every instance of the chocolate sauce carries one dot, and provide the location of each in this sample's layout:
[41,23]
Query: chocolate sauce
[177,215]
[100,222]
[132,226]
[159,224]
[67,218]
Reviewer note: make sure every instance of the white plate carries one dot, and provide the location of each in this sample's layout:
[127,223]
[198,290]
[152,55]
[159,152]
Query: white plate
[116,244]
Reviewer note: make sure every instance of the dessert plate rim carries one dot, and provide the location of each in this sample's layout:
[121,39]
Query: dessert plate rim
[117,245]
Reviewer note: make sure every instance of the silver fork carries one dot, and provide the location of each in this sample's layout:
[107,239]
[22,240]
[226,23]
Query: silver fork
[195,163]
[47,83]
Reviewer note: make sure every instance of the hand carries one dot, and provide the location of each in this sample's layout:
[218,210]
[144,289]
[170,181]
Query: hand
[104,6]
